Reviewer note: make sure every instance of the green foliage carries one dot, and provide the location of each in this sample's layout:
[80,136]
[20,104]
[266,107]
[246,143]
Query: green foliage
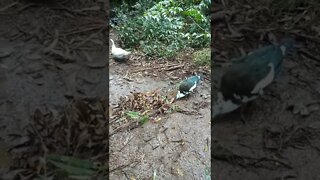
[202,57]
[133,115]
[175,108]
[72,167]
[164,28]
[137,116]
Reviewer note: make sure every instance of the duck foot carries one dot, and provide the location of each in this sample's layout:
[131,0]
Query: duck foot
[243,119]
[242,109]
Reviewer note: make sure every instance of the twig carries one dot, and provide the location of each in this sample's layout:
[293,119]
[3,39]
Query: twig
[178,141]
[311,38]
[258,160]
[86,30]
[175,67]
[78,11]
[54,42]
[144,69]
[220,15]
[123,166]
[234,33]
[125,126]
[26,6]
[86,40]
[43,146]
[74,12]
[126,144]
[310,55]
[68,130]
[128,79]
[8,6]
[223,3]
[159,67]
[188,112]
[66,57]
[93,8]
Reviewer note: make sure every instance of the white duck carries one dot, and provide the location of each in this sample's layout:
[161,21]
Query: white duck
[119,54]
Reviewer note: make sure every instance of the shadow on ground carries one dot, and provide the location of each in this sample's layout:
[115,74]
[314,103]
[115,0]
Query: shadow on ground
[53,61]
[280,139]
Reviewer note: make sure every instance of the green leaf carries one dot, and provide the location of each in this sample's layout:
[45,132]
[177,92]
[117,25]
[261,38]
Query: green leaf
[71,170]
[162,26]
[80,177]
[194,13]
[72,165]
[133,115]
[144,119]
[73,161]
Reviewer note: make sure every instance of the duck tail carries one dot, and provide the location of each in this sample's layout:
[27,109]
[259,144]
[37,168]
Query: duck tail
[128,53]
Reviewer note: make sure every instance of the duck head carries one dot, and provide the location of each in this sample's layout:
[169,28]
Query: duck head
[286,45]
[223,106]
[180,95]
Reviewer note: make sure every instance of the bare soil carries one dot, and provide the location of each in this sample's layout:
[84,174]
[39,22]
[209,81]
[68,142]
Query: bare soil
[177,146]
[53,83]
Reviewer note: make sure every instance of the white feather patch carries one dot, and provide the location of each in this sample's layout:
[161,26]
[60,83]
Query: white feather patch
[245,99]
[119,52]
[180,95]
[283,50]
[265,81]
[223,106]
[193,87]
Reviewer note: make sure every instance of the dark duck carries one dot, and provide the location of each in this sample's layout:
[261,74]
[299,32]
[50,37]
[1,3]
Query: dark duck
[246,79]
[187,86]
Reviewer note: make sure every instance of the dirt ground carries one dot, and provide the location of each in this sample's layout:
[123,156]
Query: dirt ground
[53,62]
[280,139]
[53,100]
[177,146]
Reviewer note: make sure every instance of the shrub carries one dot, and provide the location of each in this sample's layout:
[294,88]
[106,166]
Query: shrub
[202,57]
[165,27]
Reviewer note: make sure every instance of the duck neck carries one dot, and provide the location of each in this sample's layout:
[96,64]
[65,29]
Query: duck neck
[113,46]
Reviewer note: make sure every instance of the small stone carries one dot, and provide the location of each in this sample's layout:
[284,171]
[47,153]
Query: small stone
[304,111]
[313,108]
[297,108]
[147,137]
[301,109]
[6,51]
[154,143]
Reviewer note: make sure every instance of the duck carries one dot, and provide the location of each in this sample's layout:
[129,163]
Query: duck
[245,80]
[187,86]
[119,54]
